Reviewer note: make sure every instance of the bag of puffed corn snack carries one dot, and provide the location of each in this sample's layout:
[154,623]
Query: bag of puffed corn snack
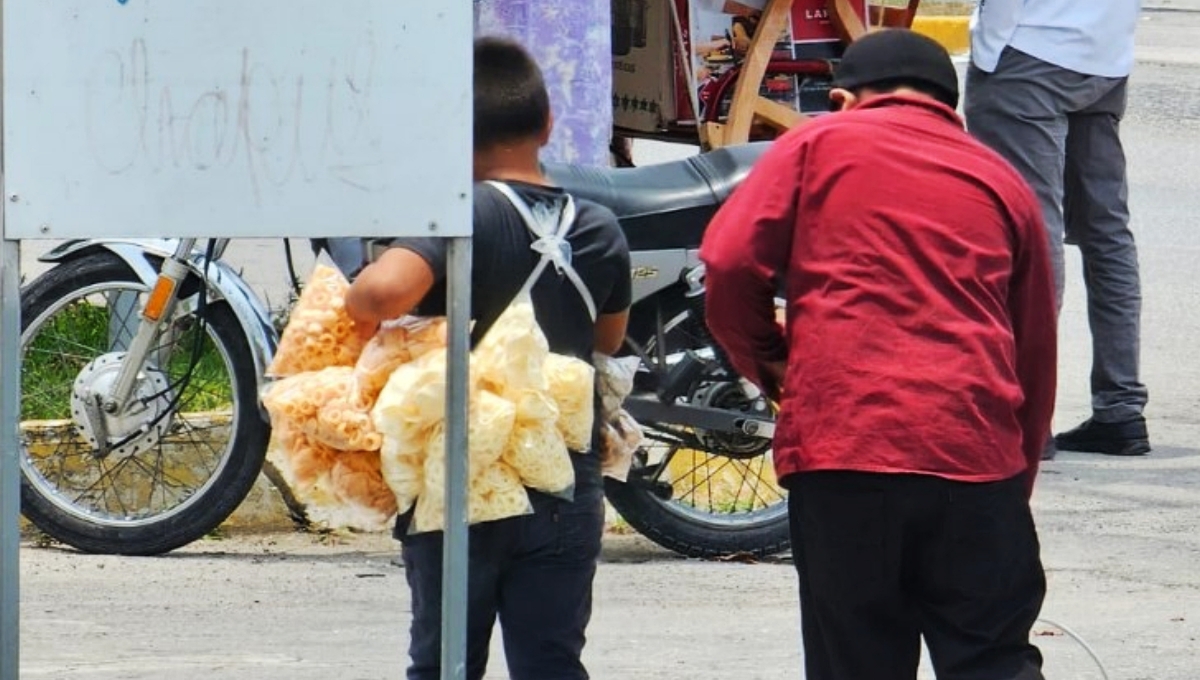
[319,332]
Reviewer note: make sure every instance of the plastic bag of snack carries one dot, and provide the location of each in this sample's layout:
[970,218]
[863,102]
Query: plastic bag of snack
[537,452]
[496,493]
[614,381]
[413,401]
[345,427]
[572,385]
[319,332]
[362,500]
[397,342]
[620,434]
[304,463]
[620,438]
[296,400]
[491,424]
[317,404]
[339,489]
[511,357]
[403,471]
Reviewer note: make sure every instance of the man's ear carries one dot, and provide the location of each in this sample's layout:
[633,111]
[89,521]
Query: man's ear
[841,99]
[545,136]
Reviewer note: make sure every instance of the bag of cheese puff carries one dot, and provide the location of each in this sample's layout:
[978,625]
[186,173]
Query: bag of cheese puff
[525,404]
[319,332]
[337,488]
[317,404]
[397,342]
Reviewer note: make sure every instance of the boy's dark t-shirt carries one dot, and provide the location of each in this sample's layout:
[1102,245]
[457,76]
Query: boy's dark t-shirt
[502,260]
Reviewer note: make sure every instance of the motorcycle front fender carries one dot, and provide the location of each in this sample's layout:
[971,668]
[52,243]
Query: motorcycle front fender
[223,283]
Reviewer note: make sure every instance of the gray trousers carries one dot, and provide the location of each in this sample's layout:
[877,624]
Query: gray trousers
[1060,129]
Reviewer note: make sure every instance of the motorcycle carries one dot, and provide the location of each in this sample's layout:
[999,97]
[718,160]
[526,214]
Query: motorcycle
[142,362]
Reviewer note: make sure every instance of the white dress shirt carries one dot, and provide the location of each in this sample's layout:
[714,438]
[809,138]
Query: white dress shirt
[1093,37]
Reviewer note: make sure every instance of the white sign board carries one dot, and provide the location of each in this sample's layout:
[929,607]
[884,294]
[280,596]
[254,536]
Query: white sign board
[236,118]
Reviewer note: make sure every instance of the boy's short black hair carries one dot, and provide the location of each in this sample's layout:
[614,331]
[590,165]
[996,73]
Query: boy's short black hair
[511,102]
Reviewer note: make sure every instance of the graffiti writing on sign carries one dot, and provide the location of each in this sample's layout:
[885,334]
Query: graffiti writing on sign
[275,120]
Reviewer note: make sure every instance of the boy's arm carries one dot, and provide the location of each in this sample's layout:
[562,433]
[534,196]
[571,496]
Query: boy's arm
[610,332]
[613,320]
[388,288]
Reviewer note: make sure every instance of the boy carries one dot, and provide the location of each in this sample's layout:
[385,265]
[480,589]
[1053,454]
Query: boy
[533,572]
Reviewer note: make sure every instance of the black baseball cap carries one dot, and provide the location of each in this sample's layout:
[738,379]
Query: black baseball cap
[896,54]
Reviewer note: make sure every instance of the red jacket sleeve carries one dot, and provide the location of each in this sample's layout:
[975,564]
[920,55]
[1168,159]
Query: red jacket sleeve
[745,250]
[1032,306]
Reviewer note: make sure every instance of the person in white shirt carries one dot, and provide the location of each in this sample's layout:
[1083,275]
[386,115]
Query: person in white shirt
[1046,88]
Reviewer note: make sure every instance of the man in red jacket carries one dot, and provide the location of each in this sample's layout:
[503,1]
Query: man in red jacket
[916,374]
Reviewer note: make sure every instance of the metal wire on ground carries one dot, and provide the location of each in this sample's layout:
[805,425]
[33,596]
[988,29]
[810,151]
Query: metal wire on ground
[1086,647]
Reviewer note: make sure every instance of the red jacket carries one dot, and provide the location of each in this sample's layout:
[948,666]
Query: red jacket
[921,323]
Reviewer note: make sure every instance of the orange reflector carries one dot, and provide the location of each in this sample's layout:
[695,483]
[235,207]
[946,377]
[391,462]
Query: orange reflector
[164,288]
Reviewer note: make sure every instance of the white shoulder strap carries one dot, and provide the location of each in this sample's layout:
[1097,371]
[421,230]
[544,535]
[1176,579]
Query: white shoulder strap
[551,228]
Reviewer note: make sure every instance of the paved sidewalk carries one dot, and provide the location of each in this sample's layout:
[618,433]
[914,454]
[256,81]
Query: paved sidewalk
[1120,539]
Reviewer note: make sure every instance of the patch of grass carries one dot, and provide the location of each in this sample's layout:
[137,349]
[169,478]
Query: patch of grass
[53,359]
[78,333]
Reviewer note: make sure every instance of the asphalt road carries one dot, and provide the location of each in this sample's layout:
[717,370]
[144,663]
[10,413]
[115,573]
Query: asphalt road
[1120,538]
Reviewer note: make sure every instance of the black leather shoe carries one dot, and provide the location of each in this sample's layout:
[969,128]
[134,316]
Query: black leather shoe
[1126,438]
[1050,450]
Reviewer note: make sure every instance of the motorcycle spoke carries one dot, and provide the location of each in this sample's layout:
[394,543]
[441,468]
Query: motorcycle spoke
[750,492]
[192,389]
[96,493]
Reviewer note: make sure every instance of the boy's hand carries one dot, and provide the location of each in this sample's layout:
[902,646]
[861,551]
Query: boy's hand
[366,330]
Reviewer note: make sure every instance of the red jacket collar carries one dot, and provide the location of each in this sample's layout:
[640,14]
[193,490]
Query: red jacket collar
[925,103]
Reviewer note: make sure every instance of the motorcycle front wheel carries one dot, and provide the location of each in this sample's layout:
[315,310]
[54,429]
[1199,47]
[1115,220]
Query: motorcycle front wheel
[696,493]
[171,466]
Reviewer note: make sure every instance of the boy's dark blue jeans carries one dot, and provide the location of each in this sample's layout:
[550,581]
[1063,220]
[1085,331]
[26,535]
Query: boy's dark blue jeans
[534,573]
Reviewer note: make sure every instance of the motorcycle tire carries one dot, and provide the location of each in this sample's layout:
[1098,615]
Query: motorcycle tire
[680,523]
[94,503]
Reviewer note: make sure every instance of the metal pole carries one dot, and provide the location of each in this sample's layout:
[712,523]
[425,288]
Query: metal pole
[454,548]
[10,449]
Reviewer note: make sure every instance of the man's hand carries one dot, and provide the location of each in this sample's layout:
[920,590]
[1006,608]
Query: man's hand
[773,373]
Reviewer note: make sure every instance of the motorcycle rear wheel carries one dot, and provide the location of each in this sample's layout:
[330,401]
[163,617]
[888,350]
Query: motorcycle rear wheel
[722,501]
[203,442]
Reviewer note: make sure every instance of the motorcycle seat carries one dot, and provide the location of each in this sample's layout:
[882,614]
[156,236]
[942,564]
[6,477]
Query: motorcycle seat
[701,181]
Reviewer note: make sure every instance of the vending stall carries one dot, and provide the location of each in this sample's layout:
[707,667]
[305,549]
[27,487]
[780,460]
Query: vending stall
[723,72]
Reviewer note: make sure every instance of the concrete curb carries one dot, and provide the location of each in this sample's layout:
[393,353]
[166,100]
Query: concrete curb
[951,31]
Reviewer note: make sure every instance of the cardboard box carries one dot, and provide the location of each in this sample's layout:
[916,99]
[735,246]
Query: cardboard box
[643,65]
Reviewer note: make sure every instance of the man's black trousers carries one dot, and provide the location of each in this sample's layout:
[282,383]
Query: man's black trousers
[884,559]
[533,573]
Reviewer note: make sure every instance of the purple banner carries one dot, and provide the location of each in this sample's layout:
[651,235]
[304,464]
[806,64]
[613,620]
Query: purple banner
[571,41]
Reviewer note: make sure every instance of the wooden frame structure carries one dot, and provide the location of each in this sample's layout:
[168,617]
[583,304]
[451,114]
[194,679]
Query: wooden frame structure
[749,108]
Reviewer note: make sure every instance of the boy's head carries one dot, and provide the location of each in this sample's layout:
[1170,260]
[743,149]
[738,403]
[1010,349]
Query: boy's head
[511,102]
